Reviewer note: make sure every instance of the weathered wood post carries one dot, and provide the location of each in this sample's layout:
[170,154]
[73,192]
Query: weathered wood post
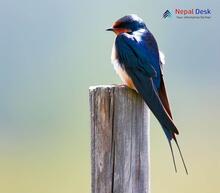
[119,140]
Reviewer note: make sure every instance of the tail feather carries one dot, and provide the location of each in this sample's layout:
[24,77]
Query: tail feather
[181,155]
[171,149]
[171,136]
[164,99]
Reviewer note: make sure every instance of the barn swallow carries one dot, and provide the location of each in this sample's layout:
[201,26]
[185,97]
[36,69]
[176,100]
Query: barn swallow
[137,61]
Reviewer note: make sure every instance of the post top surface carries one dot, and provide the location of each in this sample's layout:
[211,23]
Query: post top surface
[91,88]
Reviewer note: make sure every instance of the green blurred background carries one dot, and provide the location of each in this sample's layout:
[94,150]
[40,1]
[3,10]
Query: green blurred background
[51,51]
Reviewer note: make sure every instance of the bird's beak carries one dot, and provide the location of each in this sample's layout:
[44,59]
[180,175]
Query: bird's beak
[110,29]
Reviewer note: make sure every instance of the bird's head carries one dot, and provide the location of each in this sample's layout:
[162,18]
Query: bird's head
[127,24]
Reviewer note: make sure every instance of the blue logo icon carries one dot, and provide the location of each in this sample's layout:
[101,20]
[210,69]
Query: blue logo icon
[167,14]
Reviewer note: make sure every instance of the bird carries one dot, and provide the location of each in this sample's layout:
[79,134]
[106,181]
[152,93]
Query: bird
[138,62]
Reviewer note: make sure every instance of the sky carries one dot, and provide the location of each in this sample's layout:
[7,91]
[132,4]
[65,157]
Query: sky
[52,51]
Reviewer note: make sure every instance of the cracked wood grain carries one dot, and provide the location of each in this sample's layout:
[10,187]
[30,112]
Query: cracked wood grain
[119,140]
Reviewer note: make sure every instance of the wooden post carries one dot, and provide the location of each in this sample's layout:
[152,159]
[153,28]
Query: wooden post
[119,140]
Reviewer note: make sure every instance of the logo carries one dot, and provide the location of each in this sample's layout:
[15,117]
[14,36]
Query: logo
[193,13]
[167,14]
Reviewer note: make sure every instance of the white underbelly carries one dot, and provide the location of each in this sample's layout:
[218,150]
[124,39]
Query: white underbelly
[120,71]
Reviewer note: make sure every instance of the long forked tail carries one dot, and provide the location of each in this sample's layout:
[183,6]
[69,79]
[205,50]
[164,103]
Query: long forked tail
[164,99]
[181,155]
[171,136]
[172,153]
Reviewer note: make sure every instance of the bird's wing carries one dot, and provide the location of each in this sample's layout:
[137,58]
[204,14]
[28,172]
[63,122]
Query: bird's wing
[141,72]
[162,89]
[150,49]
[163,97]
[127,43]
